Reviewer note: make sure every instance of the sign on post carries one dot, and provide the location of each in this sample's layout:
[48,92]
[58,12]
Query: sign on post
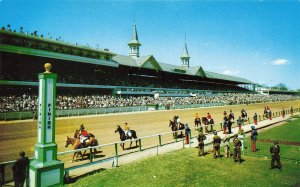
[45,169]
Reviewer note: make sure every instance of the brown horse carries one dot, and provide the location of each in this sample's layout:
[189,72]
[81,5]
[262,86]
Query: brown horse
[175,128]
[78,145]
[206,123]
[124,137]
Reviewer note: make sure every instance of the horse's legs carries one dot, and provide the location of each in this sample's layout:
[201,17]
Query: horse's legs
[130,142]
[122,145]
[73,157]
[95,151]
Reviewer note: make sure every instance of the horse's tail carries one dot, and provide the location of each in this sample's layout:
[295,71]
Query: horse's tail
[133,134]
[95,142]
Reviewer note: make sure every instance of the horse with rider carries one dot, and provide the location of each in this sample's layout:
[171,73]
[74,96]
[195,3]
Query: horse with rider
[244,115]
[176,125]
[82,139]
[267,113]
[208,120]
[126,134]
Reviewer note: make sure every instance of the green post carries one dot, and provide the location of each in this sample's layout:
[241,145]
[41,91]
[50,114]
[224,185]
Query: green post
[91,155]
[259,117]
[117,155]
[140,143]
[159,138]
[45,169]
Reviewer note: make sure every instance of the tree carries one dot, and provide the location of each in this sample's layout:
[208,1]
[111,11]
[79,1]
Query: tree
[8,27]
[21,29]
[281,87]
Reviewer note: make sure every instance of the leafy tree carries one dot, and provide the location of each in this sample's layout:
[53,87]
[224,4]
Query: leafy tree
[282,87]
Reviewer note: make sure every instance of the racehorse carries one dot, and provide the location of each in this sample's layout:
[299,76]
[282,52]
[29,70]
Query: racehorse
[175,128]
[244,115]
[197,122]
[206,122]
[78,145]
[267,113]
[123,136]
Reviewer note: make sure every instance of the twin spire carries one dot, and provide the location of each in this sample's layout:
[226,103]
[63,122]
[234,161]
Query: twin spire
[134,43]
[134,46]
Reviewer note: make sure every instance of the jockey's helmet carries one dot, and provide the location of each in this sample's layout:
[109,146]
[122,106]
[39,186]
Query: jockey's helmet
[82,127]
[22,153]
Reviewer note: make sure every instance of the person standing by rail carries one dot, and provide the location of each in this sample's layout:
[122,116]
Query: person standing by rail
[20,169]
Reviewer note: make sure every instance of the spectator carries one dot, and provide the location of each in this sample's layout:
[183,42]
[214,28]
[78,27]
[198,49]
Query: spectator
[20,169]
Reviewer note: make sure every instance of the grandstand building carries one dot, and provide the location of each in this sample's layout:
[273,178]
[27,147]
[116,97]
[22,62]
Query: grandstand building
[83,69]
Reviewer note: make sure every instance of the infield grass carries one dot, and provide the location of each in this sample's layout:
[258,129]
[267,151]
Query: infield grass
[184,168]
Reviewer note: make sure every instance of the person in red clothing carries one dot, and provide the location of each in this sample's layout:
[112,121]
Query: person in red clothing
[208,117]
[84,136]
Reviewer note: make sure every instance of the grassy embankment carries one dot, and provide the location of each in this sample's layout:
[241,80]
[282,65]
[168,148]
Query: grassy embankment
[184,168]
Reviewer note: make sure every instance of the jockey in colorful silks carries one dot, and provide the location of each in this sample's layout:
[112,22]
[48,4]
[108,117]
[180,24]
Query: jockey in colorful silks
[208,117]
[197,119]
[127,130]
[84,136]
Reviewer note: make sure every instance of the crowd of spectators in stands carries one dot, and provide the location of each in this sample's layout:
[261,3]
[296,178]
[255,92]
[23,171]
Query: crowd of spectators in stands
[28,102]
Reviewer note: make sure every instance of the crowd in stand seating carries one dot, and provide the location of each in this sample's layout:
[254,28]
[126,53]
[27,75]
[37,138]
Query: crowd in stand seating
[28,102]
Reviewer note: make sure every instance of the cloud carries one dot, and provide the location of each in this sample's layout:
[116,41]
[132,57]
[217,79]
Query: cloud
[279,61]
[231,72]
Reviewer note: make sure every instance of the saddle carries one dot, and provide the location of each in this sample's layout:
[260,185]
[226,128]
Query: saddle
[84,140]
[128,134]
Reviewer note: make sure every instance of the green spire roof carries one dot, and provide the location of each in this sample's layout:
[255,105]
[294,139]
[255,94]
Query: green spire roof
[134,38]
[185,53]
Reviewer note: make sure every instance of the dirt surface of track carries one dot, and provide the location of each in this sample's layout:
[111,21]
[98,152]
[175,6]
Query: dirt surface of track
[22,135]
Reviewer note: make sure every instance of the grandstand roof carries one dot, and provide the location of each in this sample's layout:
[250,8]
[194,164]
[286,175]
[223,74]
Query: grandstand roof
[55,55]
[151,63]
[42,39]
[226,77]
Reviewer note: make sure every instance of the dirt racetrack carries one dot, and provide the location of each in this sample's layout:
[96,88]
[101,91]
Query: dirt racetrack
[21,135]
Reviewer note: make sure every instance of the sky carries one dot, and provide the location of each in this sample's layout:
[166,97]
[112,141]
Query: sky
[256,40]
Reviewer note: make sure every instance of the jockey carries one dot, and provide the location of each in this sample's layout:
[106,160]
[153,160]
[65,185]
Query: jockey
[224,113]
[197,116]
[208,117]
[178,120]
[84,135]
[127,130]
